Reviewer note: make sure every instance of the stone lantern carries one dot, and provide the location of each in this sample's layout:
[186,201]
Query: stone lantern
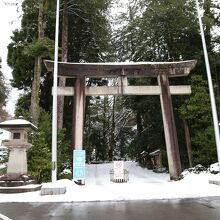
[17,145]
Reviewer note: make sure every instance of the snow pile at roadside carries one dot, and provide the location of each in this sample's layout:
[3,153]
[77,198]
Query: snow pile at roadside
[214,168]
[199,169]
[143,184]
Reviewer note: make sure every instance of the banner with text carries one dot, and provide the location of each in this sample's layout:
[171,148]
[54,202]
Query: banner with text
[79,160]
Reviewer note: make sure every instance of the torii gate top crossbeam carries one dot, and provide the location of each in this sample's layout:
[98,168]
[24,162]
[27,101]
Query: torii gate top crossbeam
[139,69]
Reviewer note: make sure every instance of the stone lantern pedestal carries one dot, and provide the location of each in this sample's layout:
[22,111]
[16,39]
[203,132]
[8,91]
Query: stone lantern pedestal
[17,149]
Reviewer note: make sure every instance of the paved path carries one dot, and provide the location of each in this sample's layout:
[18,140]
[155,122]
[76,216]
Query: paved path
[185,209]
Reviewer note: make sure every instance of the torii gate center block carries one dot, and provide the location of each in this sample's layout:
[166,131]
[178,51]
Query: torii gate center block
[161,70]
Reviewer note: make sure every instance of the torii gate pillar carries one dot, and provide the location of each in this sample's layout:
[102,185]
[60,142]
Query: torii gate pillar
[78,113]
[169,128]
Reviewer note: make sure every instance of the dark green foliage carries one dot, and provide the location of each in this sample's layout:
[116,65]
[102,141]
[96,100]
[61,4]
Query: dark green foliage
[22,106]
[46,90]
[68,176]
[39,156]
[149,136]
[63,151]
[164,30]
[197,169]
[21,64]
[41,47]
[89,32]
[197,110]
[205,146]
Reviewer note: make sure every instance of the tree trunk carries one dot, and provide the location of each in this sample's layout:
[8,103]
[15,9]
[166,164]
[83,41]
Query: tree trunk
[188,142]
[35,109]
[104,122]
[208,25]
[112,140]
[62,80]
[139,124]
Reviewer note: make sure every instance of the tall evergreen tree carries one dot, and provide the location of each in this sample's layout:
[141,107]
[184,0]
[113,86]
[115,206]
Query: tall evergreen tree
[3,94]
[25,47]
[43,6]
[197,111]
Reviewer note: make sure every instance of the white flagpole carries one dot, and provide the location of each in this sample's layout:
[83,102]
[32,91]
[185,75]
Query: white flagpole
[54,116]
[211,90]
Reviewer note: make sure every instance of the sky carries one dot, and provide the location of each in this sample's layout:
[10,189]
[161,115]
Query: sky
[9,21]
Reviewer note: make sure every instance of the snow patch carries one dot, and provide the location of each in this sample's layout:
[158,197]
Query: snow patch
[143,184]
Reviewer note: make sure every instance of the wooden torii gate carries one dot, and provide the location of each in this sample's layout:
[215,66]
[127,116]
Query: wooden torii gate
[161,70]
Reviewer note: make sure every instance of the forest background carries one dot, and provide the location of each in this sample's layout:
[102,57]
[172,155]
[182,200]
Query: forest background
[115,127]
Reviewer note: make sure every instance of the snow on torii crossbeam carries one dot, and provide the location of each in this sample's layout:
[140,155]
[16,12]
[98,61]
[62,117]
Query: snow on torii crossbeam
[131,69]
[161,70]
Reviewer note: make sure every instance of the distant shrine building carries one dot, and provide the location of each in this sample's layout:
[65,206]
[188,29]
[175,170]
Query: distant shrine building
[160,70]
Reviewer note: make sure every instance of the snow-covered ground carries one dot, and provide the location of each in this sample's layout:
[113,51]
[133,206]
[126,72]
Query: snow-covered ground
[143,185]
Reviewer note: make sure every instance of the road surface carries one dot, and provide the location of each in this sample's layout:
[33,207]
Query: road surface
[181,209]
